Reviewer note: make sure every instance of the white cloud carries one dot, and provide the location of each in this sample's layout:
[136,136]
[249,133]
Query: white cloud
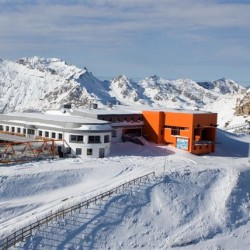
[107,17]
[114,24]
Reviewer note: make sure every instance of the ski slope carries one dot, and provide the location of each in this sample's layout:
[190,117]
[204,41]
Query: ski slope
[195,202]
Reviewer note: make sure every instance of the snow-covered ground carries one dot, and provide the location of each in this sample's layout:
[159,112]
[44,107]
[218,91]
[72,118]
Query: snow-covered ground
[195,202]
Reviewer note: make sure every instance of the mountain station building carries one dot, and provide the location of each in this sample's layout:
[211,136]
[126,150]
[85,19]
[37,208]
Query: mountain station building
[90,132]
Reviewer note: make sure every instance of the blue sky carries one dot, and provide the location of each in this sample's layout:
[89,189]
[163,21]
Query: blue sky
[196,39]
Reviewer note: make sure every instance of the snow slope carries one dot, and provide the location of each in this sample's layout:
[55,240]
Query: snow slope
[196,202]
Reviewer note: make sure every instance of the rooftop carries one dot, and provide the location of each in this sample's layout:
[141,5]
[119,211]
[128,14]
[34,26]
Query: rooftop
[184,111]
[56,120]
[50,117]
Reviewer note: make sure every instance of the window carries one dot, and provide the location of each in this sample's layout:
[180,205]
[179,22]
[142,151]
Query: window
[176,130]
[89,151]
[106,138]
[18,130]
[7,128]
[40,133]
[13,129]
[24,130]
[53,135]
[78,151]
[46,133]
[31,131]
[76,138]
[72,137]
[94,139]
[114,133]
[1,127]
[59,136]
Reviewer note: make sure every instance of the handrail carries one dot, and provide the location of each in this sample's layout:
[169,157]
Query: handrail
[26,231]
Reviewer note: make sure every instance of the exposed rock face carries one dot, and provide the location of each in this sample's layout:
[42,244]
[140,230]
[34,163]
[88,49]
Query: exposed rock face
[243,105]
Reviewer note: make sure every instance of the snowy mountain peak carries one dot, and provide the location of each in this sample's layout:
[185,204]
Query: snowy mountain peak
[52,66]
[222,86]
[36,83]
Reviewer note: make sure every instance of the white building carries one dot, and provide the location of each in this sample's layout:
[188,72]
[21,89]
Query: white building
[86,137]
[125,123]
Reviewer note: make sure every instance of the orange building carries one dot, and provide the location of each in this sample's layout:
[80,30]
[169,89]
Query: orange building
[194,131]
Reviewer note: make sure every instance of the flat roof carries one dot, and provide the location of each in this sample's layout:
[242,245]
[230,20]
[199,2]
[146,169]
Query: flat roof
[56,120]
[183,111]
[115,110]
[124,110]
[52,117]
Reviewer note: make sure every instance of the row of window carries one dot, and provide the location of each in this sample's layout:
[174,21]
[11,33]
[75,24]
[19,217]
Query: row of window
[13,129]
[53,135]
[79,151]
[91,138]
[121,118]
[31,132]
[176,130]
[49,134]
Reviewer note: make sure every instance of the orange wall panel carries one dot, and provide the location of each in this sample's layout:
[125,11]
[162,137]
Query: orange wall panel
[153,126]
[178,119]
[198,126]
[168,138]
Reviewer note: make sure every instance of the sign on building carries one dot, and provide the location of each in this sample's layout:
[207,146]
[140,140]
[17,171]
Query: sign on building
[182,143]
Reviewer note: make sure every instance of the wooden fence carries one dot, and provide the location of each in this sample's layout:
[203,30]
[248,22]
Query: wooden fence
[26,231]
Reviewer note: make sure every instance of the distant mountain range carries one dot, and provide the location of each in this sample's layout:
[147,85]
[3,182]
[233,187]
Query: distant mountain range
[35,84]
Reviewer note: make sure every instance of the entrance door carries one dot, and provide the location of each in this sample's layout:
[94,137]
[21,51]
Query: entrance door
[101,152]
[31,133]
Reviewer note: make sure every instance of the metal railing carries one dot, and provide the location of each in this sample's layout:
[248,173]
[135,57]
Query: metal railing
[26,231]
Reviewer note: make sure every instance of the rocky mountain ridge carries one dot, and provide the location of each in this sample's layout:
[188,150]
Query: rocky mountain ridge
[35,84]
[243,105]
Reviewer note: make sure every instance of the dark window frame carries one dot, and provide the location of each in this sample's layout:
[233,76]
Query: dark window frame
[89,151]
[76,138]
[78,151]
[114,133]
[92,139]
[30,131]
[106,138]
